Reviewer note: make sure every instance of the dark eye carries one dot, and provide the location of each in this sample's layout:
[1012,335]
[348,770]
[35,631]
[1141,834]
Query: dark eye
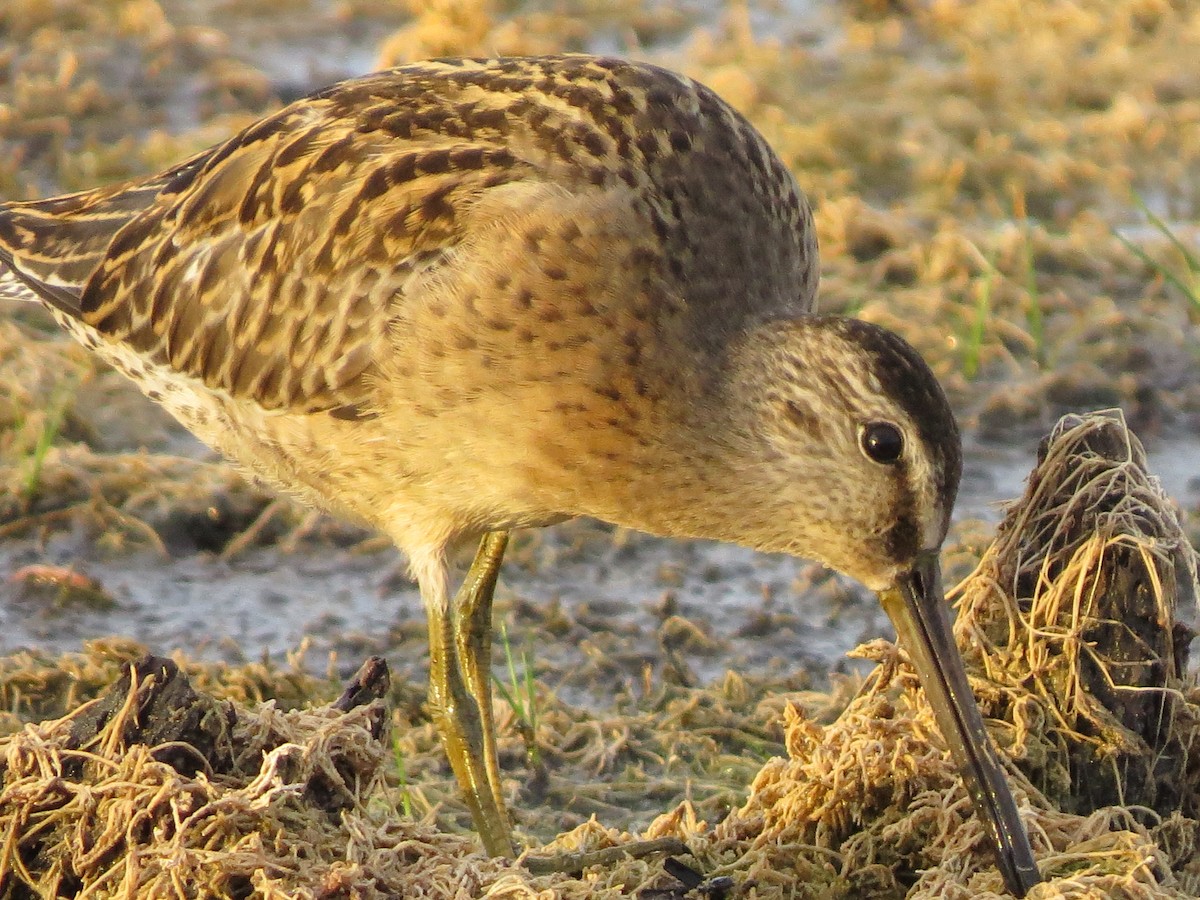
[881,441]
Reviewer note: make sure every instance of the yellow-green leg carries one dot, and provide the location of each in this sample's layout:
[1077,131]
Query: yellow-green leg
[460,693]
[473,609]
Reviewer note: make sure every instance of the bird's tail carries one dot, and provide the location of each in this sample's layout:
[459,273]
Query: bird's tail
[11,287]
[50,248]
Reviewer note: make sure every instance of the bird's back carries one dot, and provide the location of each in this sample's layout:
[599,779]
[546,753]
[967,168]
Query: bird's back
[413,142]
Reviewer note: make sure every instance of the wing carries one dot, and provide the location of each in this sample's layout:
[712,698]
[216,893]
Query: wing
[271,266]
[268,267]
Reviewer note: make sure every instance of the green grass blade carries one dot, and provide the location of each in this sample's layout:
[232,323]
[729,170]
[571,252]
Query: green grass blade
[1193,262]
[402,770]
[1034,318]
[512,697]
[1189,291]
[55,415]
[973,347]
[520,694]
[530,695]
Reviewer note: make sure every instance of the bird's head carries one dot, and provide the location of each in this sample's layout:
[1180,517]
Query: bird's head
[847,440]
[852,457]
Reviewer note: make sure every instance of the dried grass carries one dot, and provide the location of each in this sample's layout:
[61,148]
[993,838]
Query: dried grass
[117,821]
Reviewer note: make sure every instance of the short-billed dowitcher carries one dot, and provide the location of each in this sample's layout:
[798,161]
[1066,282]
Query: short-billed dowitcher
[466,296]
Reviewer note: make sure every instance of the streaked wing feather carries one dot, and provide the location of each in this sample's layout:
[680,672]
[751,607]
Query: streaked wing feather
[274,274]
[270,266]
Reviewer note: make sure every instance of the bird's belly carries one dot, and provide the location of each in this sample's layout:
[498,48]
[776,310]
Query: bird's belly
[194,405]
[362,470]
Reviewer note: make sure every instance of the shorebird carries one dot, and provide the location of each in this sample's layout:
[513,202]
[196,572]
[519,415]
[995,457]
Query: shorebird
[465,296]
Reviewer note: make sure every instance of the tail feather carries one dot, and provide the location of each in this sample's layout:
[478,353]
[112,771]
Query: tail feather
[15,285]
[50,248]
[12,287]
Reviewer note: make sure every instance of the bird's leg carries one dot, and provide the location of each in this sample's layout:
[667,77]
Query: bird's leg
[468,728]
[473,634]
[460,693]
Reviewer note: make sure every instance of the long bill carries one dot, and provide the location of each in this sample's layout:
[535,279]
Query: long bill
[917,608]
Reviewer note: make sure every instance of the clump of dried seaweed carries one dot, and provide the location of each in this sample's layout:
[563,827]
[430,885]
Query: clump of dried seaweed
[37,685]
[157,790]
[1072,614]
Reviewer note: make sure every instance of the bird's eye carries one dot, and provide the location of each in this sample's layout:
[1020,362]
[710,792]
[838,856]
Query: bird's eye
[881,441]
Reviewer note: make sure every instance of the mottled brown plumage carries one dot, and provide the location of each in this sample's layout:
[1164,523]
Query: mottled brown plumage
[465,296]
